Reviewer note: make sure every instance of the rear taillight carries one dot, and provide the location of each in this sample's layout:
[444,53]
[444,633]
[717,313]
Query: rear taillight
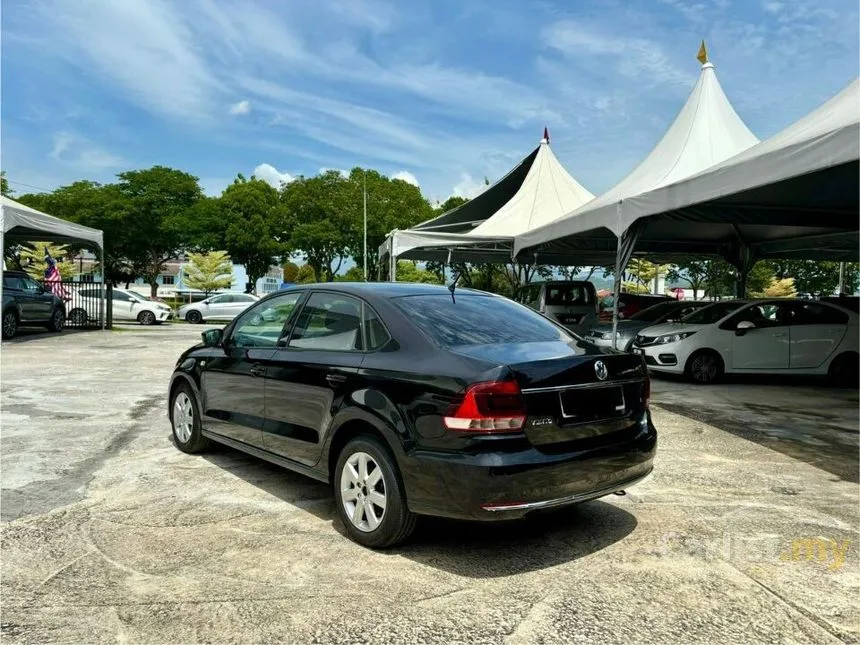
[646,392]
[495,406]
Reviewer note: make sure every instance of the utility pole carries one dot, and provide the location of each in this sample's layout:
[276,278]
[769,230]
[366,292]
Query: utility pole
[364,175]
[841,278]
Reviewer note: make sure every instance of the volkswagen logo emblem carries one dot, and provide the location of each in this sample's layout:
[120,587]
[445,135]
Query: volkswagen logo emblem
[600,370]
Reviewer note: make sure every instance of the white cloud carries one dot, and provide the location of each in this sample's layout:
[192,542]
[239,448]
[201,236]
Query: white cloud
[343,173]
[468,187]
[242,107]
[272,175]
[78,152]
[773,7]
[408,177]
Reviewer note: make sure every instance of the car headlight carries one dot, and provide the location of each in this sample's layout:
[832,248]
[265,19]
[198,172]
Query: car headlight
[673,338]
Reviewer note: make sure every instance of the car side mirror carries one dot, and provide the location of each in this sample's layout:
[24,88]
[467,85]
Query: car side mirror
[743,327]
[212,337]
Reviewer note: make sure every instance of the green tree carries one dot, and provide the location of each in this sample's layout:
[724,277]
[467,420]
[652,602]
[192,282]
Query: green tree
[817,278]
[693,272]
[4,185]
[253,235]
[204,226]
[306,275]
[159,202]
[450,204]
[391,204]
[354,274]
[291,271]
[208,272]
[643,272]
[32,256]
[408,271]
[777,288]
[319,221]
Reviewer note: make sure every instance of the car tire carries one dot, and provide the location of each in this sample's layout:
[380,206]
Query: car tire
[146,318]
[704,367]
[57,321]
[10,324]
[194,317]
[360,494]
[185,421]
[78,316]
[844,370]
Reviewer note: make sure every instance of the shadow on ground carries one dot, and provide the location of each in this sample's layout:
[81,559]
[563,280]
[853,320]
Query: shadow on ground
[471,549]
[30,334]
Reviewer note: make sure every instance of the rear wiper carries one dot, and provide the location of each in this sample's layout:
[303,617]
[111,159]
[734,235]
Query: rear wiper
[453,286]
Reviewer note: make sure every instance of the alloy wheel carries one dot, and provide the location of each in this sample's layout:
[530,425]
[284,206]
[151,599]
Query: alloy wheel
[363,491]
[704,368]
[59,320]
[183,417]
[10,325]
[146,318]
[78,317]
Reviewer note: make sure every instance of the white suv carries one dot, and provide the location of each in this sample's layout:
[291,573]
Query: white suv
[755,337]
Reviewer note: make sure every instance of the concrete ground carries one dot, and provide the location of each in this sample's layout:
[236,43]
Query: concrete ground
[111,534]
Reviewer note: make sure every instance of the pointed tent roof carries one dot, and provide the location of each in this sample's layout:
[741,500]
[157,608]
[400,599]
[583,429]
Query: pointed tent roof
[22,223]
[706,132]
[544,191]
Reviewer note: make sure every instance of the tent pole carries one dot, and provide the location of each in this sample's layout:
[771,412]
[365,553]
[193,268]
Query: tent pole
[841,278]
[104,287]
[392,273]
[616,284]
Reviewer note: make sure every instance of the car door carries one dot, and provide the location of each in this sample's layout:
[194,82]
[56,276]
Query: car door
[312,374]
[233,385]
[123,306]
[35,305]
[217,307]
[816,331]
[766,346]
[14,287]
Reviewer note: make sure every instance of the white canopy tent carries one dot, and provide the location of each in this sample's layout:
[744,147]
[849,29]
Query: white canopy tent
[706,132]
[20,223]
[545,192]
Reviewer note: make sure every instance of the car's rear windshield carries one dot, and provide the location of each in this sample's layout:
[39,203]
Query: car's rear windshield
[712,313]
[568,295]
[477,320]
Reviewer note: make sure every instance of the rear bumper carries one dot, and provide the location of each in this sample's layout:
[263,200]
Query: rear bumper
[508,484]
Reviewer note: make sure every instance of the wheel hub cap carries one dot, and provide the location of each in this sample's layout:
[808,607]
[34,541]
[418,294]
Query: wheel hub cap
[183,417]
[363,491]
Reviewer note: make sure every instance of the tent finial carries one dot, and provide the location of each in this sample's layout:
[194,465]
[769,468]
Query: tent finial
[702,56]
[545,135]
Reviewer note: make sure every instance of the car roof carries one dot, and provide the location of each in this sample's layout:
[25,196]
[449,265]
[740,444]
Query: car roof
[386,289]
[16,272]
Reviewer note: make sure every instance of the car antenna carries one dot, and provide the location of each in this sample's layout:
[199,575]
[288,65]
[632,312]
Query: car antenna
[453,286]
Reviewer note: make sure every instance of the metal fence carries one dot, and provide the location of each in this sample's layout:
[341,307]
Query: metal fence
[86,307]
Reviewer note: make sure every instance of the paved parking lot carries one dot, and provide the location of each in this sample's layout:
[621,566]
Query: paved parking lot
[746,532]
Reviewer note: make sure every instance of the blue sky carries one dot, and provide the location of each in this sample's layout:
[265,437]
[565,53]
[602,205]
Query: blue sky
[437,91]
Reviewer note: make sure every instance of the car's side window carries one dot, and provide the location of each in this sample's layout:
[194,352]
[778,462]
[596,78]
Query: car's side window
[329,321]
[263,325]
[375,333]
[814,313]
[117,295]
[11,282]
[217,300]
[28,284]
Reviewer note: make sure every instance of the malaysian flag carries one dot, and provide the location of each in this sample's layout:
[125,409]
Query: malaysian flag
[53,279]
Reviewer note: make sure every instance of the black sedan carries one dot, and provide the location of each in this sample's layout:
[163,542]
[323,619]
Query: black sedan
[411,400]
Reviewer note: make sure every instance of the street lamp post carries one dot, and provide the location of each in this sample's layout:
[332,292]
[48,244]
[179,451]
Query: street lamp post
[364,192]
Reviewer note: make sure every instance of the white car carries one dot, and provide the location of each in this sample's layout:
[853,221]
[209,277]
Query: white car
[755,337]
[125,305]
[222,306]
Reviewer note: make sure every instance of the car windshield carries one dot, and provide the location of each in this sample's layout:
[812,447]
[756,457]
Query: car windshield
[712,313]
[656,312]
[136,296]
[478,320]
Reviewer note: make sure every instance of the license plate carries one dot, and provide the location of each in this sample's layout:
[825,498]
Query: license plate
[592,404]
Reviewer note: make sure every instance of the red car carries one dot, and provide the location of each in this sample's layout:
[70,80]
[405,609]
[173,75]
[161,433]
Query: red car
[629,304]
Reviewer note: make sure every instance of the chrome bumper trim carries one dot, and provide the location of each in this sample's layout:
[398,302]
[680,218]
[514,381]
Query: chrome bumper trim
[570,499]
[584,386]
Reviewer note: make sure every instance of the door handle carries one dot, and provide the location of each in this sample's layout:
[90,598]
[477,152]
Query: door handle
[335,379]
[257,370]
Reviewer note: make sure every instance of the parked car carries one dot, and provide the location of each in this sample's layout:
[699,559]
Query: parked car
[669,311]
[756,337]
[222,306]
[573,303]
[629,304]
[126,305]
[26,302]
[409,401]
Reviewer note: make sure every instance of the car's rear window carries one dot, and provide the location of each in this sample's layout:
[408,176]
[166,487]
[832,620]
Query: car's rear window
[568,295]
[477,320]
